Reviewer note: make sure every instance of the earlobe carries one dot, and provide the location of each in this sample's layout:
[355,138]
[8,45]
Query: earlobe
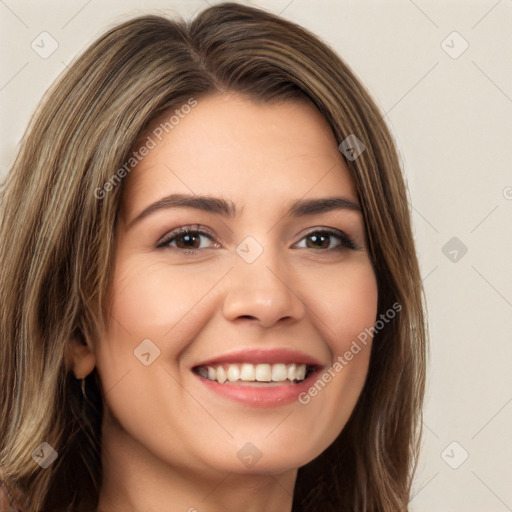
[80,358]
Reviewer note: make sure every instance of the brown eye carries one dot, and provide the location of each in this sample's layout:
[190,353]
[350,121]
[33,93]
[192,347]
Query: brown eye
[187,239]
[326,240]
[318,241]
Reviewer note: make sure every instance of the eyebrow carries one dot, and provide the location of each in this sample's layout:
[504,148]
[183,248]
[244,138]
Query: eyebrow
[226,208]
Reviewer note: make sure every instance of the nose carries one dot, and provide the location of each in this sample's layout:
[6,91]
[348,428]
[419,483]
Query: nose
[262,292]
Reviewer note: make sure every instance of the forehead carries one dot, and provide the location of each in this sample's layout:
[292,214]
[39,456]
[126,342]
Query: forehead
[229,145]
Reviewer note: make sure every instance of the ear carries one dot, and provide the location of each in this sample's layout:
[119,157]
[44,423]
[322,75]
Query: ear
[80,357]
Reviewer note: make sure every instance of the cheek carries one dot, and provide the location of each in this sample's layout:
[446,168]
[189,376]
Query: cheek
[160,300]
[345,303]
[346,310]
[169,306]
[151,302]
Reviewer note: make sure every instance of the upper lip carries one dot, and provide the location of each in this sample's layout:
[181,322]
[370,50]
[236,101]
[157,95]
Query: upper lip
[256,356]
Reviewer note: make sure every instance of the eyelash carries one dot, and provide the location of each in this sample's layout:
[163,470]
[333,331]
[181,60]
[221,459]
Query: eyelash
[345,241]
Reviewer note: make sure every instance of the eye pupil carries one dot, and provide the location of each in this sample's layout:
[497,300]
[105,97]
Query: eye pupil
[321,241]
[190,241]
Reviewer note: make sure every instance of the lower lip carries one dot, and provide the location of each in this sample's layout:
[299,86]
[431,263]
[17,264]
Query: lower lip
[260,396]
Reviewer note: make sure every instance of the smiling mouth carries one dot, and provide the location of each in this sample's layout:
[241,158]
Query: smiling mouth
[262,374]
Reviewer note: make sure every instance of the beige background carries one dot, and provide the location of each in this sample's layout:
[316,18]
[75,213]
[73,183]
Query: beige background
[451,114]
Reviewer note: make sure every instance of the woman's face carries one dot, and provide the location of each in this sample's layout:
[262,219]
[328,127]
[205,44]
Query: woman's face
[271,277]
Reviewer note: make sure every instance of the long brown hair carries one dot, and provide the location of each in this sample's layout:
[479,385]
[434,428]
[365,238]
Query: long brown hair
[57,233]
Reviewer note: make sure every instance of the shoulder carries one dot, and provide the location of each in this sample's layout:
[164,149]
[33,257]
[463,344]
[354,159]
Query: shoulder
[7,501]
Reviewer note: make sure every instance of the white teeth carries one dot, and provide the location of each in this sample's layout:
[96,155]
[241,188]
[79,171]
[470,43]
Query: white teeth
[233,373]
[221,375]
[263,373]
[247,372]
[279,373]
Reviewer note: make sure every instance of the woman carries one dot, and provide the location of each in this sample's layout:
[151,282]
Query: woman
[210,297]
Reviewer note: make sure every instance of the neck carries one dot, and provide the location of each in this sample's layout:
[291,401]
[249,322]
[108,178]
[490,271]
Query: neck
[135,480]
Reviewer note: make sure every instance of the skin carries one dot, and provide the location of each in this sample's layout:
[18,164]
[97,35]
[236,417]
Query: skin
[169,442]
